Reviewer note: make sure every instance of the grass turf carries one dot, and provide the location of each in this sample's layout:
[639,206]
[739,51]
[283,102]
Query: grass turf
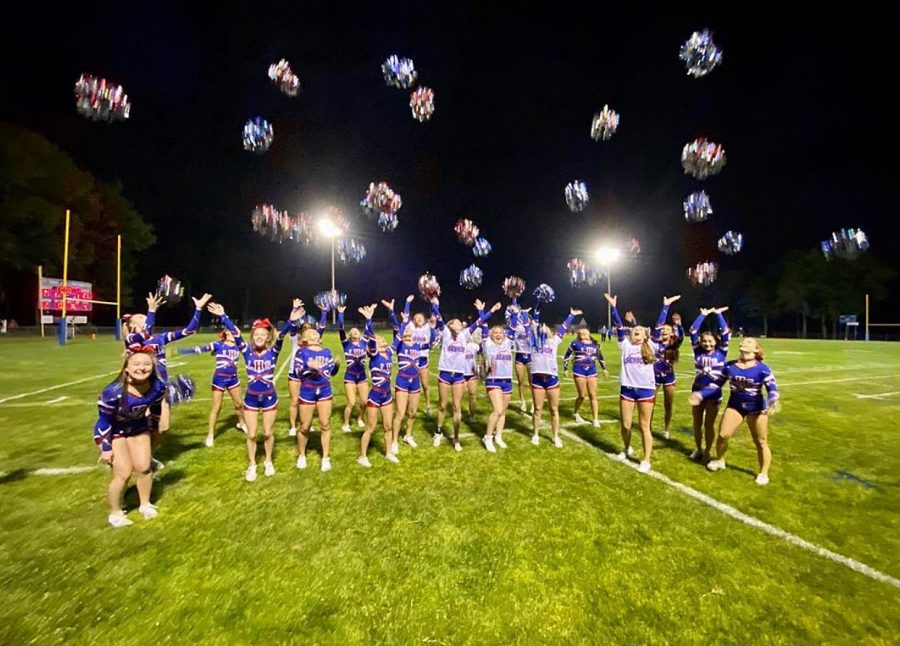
[533,544]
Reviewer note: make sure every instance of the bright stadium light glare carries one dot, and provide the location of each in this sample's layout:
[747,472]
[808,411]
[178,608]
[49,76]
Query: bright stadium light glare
[328,228]
[607,255]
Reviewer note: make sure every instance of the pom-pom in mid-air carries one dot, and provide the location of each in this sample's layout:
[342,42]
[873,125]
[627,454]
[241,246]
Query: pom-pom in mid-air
[604,124]
[731,243]
[846,243]
[513,287]
[100,100]
[180,389]
[702,158]
[170,290]
[351,250]
[544,293]
[703,274]
[282,76]
[329,300]
[466,231]
[481,247]
[258,135]
[399,72]
[577,272]
[429,287]
[380,198]
[576,195]
[271,223]
[421,102]
[700,54]
[471,277]
[697,207]
[387,221]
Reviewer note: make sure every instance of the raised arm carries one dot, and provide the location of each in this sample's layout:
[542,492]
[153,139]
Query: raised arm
[197,349]
[617,320]
[340,322]
[561,330]
[409,300]
[436,312]
[482,315]
[217,309]
[153,303]
[695,326]
[297,312]
[371,346]
[724,330]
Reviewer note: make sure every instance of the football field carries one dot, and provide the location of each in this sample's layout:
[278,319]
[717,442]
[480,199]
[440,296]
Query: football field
[531,545]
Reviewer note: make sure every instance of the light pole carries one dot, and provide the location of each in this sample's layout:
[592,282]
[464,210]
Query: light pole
[607,256]
[330,230]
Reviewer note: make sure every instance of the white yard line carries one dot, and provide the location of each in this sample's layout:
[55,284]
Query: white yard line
[728,510]
[61,471]
[877,396]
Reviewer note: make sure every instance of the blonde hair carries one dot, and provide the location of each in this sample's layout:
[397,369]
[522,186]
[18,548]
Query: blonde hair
[648,356]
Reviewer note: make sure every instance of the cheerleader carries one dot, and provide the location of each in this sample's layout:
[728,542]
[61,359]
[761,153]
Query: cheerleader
[424,334]
[129,411]
[294,380]
[356,384]
[473,348]
[638,383]
[747,376]
[545,374]
[709,359]
[314,365]
[381,362]
[224,380]
[670,338]
[523,354]
[260,358]
[587,355]
[452,367]
[408,385]
[498,351]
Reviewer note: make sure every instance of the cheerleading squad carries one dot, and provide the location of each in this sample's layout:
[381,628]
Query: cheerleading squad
[134,409]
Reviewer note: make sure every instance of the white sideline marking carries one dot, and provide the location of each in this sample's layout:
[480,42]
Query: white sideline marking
[878,396]
[61,471]
[284,365]
[57,400]
[728,510]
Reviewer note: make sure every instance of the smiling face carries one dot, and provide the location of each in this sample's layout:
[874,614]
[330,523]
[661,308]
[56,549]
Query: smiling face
[666,333]
[498,334]
[354,335]
[707,342]
[455,325]
[418,319]
[584,335]
[139,367]
[260,337]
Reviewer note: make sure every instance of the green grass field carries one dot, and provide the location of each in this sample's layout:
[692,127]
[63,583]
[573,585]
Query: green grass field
[532,545]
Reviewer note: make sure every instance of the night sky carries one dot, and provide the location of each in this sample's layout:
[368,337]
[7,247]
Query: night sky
[800,104]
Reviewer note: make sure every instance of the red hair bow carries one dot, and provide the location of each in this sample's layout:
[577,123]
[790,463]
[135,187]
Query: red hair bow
[137,347]
[262,323]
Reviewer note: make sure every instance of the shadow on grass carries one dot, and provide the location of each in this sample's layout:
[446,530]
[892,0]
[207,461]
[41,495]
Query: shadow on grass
[13,476]
[162,481]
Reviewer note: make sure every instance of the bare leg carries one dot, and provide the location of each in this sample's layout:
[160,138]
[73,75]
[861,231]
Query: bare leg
[496,397]
[324,410]
[362,389]
[387,421]
[402,398]
[471,388]
[712,411]
[592,397]
[411,409]
[581,390]
[697,418]
[214,412]
[553,400]
[423,378]
[443,399]
[306,417]
[252,423]
[457,391]
[268,429]
[350,389]
[626,410]
[645,412]
[238,404]
[294,388]
[731,420]
[759,429]
[371,421]
[122,469]
[537,395]
[668,404]
[139,449]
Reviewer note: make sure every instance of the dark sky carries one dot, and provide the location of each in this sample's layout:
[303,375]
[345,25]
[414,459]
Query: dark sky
[800,104]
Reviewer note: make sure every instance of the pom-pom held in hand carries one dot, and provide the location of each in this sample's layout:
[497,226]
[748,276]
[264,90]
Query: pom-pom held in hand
[100,100]
[429,287]
[604,124]
[846,243]
[481,247]
[170,290]
[544,293]
[421,102]
[731,243]
[697,207]
[329,300]
[471,277]
[702,158]
[351,250]
[258,135]
[466,232]
[576,196]
[282,76]
[513,287]
[703,274]
[700,54]
[380,198]
[399,72]
[577,272]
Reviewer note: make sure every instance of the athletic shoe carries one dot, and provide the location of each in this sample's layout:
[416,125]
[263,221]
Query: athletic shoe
[209,441]
[326,464]
[148,511]
[630,452]
[269,469]
[579,419]
[250,473]
[119,520]
[762,479]
[696,454]
[390,457]
[622,457]
[716,465]
[363,461]
[557,442]
[644,467]
[360,423]
[535,439]
[437,439]
[596,423]
[301,461]
[156,465]
[395,448]
[665,435]
[522,406]
[499,442]
[410,440]
[345,428]
[292,431]
[531,408]
[242,427]
[488,442]
[457,447]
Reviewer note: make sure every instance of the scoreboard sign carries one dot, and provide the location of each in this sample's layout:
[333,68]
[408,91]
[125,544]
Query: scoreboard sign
[76,293]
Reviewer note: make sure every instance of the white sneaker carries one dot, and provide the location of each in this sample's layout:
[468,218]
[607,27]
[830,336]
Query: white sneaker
[250,473]
[269,469]
[241,427]
[301,461]
[292,431]
[437,439]
[119,520]
[457,447]
[499,442]
[148,511]
[666,435]
[390,457]
[622,457]
[326,464]
[630,452]
[531,408]
[360,423]
[696,454]
[346,428]
[644,466]
[156,465]
[410,440]
[363,461]
[579,419]
[762,480]
[596,423]
[716,465]
[535,439]
[557,442]
[395,448]
[488,442]
[209,441]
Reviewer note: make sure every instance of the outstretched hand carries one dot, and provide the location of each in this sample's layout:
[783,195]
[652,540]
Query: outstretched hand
[611,299]
[706,311]
[575,312]
[216,309]
[479,304]
[497,306]
[668,300]
[201,302]
[367,311]
[153,302]
[388,304]
[719,310]
[410,298]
